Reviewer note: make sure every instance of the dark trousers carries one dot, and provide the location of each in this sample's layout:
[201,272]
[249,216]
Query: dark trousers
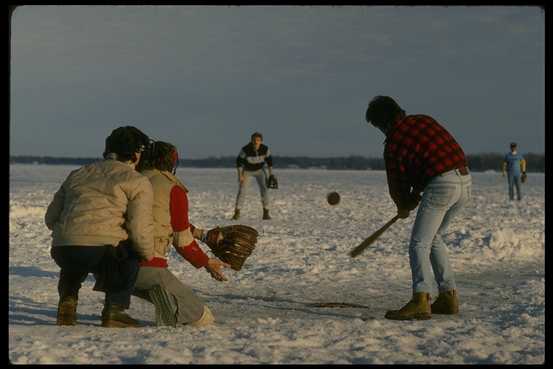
[118,265]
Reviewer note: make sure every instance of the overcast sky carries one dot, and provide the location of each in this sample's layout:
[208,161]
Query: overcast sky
[206,77]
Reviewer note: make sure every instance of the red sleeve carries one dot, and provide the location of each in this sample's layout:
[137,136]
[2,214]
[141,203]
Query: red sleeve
[179,222]
[179,209]
[194,254]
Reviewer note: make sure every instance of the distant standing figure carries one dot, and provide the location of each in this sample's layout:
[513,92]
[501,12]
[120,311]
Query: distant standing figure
[514,166]
[249,163]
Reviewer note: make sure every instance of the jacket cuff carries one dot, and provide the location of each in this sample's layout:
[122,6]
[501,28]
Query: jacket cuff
[194,255]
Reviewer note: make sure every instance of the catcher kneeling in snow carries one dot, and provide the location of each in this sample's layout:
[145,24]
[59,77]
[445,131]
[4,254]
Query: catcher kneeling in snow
[175,303]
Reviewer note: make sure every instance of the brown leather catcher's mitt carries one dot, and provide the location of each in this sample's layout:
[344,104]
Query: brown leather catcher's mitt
[232,244]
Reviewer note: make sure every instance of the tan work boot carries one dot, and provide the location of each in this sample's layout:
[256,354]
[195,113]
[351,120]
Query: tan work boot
[113,316]
[416,309]
[236,214]
[67,311]
[446,303]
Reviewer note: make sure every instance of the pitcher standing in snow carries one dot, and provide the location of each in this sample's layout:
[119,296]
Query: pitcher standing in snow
[514,167]
[101,221]
[250,163]
[421,156]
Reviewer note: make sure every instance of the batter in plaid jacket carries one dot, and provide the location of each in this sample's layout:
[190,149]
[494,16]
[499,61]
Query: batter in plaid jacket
[421,156]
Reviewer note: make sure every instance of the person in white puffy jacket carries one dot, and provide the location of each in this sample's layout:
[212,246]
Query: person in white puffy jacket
[102,223]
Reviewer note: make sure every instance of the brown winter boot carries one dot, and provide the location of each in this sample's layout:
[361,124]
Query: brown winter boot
[416,309]
[236,214]
[113,316]
[446,303]
[266,214]
[67,311]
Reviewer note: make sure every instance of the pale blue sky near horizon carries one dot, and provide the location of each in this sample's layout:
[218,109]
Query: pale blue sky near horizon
[206,77]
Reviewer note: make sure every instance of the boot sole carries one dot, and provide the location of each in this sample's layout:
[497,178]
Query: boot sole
[117,324]
[422,316]
[448,313]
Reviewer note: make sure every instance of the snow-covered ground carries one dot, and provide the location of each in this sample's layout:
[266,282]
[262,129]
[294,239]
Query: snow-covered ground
[263,312]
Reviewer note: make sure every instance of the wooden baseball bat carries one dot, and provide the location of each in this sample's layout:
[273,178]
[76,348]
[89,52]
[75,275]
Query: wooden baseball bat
[363,245]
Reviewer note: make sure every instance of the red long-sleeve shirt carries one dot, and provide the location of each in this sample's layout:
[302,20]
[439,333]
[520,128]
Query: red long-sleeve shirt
[418,148]
[180,223]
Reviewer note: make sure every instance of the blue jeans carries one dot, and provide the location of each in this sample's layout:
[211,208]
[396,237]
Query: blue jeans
[259,176]
[77,261]
[513,180]
[443,197]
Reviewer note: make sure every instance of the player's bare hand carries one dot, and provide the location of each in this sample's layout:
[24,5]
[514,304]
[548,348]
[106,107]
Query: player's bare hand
[214,267]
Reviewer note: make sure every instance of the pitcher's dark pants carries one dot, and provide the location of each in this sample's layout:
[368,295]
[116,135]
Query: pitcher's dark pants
[115,274]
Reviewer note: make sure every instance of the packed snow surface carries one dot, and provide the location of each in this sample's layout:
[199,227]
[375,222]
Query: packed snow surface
[263,312]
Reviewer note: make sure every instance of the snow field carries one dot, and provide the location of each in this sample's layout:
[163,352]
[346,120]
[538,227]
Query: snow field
[263,314]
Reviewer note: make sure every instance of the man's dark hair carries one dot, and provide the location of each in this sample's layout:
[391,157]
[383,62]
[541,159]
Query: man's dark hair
[257,134]
[513,144]
[161,155]
[125,142]
[382,111]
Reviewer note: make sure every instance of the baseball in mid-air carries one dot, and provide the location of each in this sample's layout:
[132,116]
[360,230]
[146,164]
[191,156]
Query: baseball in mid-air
[333,198]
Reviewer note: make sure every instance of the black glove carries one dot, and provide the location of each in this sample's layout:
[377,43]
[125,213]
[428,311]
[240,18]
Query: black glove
[523,178]
[272,182]
[412,201]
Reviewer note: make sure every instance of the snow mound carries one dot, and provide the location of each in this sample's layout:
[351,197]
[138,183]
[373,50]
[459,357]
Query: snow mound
[507,243]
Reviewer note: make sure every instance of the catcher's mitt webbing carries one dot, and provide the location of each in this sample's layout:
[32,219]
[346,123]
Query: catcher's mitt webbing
[236,246]
[165,306]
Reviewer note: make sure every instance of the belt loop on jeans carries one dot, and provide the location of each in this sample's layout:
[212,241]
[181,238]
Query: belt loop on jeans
[463,171]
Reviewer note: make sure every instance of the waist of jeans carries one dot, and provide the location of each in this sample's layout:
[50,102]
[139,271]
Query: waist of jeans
[463,171]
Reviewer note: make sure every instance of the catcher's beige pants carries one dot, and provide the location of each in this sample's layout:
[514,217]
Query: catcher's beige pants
[190,308]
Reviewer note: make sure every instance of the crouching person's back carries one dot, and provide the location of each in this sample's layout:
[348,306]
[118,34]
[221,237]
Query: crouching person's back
[101,222]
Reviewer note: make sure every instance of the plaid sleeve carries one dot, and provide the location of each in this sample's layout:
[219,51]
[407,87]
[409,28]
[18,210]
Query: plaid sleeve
[398,183]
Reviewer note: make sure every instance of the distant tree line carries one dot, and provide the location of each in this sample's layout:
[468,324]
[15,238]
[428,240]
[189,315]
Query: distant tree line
[477,162]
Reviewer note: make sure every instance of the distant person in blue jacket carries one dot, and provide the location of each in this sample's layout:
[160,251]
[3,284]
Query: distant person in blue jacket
[514,166]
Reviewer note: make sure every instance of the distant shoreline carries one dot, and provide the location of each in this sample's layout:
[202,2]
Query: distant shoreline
[477,162]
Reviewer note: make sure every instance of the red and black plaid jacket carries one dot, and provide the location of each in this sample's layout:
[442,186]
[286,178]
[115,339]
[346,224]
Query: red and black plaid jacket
[416,149]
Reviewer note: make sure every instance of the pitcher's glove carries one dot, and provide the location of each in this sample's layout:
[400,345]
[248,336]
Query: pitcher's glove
[523,178]
[232,244]
[272,182]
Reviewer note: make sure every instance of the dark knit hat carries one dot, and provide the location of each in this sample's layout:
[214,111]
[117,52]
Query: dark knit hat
[125,141]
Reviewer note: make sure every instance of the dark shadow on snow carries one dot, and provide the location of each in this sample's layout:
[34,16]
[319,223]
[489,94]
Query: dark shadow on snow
[31,271]
[25,311]
[304,306]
